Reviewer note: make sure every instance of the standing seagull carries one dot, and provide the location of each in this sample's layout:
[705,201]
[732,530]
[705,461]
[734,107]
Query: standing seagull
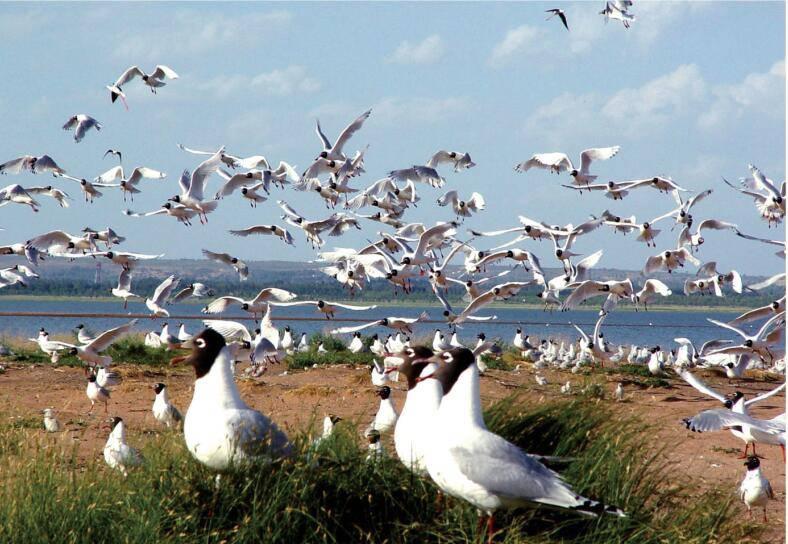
[560,13]
[755,489]
[81,123]
[468,461]
[117,453]
[220,429]
[163,409]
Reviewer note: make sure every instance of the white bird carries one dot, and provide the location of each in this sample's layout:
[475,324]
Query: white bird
[776,307]
[81,123]
[335,151]
[159,298]
[153,80]
[418,174]
[460,161]
[649,292]
[613,11]
[117,453]
[106,377]
[219,428]
[164,411]
[96,393]
[115,152]
[274,230]
[400,324]
[193,185]
[325,307]
[193,290]
[559,162]
[127,184]
[755,489]
[17,194]
[357,344]
[58,241]
[123,290]
[591,288]
[769,335]
[619,393]
[696,240]
[467,461]
[257,305]
[386,416]
[225,258]
[33,164]
[669,260]
[462,208]
[779,243]
[51,423]
[561,15]
[91,353]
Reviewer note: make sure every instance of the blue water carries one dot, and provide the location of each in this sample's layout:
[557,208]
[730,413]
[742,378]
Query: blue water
[642,328]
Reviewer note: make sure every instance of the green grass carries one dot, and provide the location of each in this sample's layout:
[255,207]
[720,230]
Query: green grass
[639,375]
[334,496]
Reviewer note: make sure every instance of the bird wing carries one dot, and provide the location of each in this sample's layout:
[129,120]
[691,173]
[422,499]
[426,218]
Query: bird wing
[164,290]
[163,71]
[106,338]
[124,280]
[767,282]
[451,197]
[273,293]
[346,330]
[229,329]
[764,396]
[349,131]
[323,139]
[221,257]
[559,161]
[715,224]
[257,229]
[478,303]
[201,174]
[110,175]
[144,172]
[289,211]
[729,327]
[232,183]
[720,418]
[128,75]
[351,307]
[221,304]
[438,158]
[442,298]
[49,239]
[583,291]
[656,286]
[700,386]
[476,202]
[596,154]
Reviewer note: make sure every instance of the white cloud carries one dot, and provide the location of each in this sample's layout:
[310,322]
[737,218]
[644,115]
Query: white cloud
[428,51]
[757,93]
[419,110]
[280,82]
[654,18]
[659,100]
[516,42]
[193,32]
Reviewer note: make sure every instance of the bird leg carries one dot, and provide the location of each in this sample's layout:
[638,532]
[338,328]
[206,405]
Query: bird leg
[746,449]
[764,515]
[491,528]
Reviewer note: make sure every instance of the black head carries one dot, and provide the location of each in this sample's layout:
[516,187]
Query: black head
[158,387]
[114,422]
[323,154]
[528,228]
[455,362]
[573,173]
[406,260]
[244,190]
[446,313]
[752,462]
[91,377]
[654,180]
[646,225]
[205,349]
[321,304]
[80,327]
[481,336]
[176,198]
[748,343]
[334,419]
[667,254]
[519,330]
[413,362]
[167,206]
[384,392]
[373,436]
[234,260]
[611,184]
[73,351]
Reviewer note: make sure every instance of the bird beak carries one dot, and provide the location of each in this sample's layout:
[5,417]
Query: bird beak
[390,370]
[423,378]
[178,360]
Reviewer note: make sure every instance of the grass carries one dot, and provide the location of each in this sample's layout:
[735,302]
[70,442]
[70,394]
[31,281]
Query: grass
[639,375]
[332,495]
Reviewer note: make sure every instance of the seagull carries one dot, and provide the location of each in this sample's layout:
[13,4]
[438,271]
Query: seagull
[591,288]
[193,186]
[231,161]
[769,201]
[559,162]
[462,208]
[274,230]
[475,305]
[58,241]
[81,123]
[312,229]
[468,461]
[153,80]
[386,416]
[96,393]
[696,240]
[89,188]
[91,352]
[115,152]
[35,165]
[23,250]
[163,409]
[180,212]
[18,195]
[117,453]
[127,184]
[661,184]
[560,13]
[325,307]
[220,429]
[613,10]
[123,290]
[669,260]
[400,324]
[51,423]
[196,290]
[755,489]
[334,151]
[156,303]
[460,161]
[757,343]
[779,243]
[613,190]
[239,181]
[257,305]
[430,239]
[238,265]
[650,290]
[418,174]
[60,196]
[775,308]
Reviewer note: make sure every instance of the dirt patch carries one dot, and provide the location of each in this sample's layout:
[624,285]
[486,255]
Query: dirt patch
[298,400]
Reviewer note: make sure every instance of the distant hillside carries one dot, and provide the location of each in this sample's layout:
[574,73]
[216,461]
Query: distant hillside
[78,278]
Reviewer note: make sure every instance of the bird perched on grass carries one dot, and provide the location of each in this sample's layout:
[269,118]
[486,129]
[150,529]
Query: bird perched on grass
[117,453]
[755,489]
[163,410]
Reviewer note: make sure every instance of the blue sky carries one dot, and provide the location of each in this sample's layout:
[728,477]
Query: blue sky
[694,91]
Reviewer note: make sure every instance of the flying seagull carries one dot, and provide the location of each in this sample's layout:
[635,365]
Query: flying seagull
[560,13]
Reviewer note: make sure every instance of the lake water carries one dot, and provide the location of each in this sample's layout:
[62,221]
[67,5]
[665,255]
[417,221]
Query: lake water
[642,328]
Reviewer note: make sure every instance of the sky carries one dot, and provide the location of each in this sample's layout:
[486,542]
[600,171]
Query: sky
[695,91]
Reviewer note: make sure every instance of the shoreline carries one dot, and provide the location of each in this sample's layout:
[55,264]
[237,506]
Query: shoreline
[410,304]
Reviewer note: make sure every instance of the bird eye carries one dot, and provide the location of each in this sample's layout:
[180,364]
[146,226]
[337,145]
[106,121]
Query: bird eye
[200,343]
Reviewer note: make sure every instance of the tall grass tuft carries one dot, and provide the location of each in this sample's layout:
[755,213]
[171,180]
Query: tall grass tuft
[333,495]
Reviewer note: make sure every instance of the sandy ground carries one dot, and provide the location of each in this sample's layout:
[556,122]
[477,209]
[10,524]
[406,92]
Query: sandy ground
[301,398]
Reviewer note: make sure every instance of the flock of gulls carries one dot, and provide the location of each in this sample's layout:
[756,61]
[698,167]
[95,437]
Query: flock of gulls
[439,432]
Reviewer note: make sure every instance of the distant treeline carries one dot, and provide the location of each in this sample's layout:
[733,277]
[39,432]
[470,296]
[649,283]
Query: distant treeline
[324,287]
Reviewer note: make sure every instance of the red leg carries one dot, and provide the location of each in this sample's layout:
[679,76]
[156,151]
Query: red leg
[490,529]
[746,449]
[764,515]
[782,447]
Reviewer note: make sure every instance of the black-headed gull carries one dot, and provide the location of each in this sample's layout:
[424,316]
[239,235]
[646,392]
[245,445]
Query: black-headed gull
[560,162]
[225,258]
[80,124]
[156,302]
[460,161]
[164,411]
[755,489]
[153,80]
[117,453]
[335,151]
[33,164]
